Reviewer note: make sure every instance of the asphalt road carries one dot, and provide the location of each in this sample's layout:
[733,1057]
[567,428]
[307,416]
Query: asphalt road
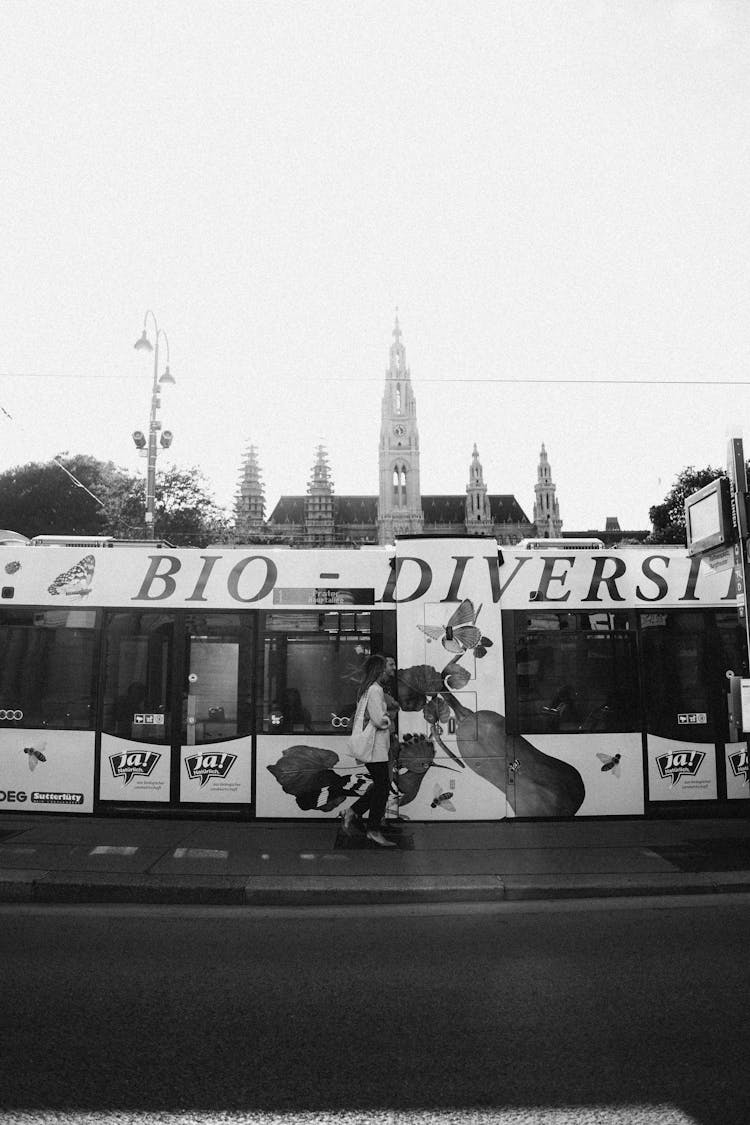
[581,1013]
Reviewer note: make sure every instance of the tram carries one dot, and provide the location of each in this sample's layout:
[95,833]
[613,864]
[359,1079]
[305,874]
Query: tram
[540,682]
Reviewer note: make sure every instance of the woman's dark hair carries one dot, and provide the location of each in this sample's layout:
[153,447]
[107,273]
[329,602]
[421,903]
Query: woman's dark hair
[373,668]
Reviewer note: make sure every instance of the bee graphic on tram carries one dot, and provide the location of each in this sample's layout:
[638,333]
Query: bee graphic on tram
[35,757]
[442,799]
[610,763]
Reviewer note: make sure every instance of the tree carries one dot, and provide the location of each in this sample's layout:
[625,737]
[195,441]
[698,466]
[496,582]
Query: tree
[66,496]
[186,513]
[44,499]
[668,518]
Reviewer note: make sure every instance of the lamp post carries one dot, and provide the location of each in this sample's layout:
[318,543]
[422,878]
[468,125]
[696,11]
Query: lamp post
[149,445]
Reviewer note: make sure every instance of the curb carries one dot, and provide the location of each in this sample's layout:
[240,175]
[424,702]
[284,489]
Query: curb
[373,889]
[47,888]
[67,888]
[617,885]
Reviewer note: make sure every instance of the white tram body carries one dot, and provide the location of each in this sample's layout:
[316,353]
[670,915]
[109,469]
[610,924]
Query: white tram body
[533,682]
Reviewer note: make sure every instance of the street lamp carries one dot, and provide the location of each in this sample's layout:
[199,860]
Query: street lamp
[147,443]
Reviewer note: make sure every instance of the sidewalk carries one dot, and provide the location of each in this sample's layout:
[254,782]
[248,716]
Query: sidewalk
[81,859]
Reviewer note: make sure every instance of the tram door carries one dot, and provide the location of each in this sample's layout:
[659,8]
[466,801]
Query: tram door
[140,717]
[685,659]
[177,710]
[216,763]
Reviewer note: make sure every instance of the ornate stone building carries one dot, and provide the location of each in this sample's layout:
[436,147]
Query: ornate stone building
[322,518]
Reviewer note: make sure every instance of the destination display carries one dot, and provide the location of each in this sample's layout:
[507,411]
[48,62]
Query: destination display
[322,595]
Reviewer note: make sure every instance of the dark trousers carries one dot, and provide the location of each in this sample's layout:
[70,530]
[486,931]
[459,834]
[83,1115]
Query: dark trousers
[376,797]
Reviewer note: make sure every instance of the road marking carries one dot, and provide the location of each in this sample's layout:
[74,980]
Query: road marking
[199,853]
[110,849]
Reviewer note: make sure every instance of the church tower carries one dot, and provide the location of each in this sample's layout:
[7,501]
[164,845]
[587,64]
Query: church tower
[546,507]
[319,525]
[249,503]
[400,499]
[478,514]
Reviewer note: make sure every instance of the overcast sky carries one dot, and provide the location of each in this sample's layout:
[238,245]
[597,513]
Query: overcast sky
[551,193]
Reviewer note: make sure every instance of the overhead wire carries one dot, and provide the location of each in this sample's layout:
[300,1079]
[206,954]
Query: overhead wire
[448,380]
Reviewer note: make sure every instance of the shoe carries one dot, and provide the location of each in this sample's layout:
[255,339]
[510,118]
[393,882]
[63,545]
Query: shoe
[379,838]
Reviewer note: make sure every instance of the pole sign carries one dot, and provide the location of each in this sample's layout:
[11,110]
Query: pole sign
[737,473]
[716,527]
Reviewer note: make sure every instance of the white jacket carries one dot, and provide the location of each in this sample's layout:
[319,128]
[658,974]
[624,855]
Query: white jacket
[378,713]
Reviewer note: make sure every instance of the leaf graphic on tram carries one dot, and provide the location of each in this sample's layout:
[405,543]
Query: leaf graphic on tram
[307,774]
[455,676]
[416,684]
[543,786]
[298,767]
[436,710]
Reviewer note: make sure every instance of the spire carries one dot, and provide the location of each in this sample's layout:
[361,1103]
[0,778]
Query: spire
[546,507]
[543,469]
[478,514]
[475,469]
[320,483]
[400,499]
[249,502]
[398,397]
[319,513]
[397,367]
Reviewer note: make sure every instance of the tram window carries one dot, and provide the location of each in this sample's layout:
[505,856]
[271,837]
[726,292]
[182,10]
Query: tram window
[686,656]
[311,666]
[138,656]
[47,668]
[575,675]
[219,689]
[731,655]
[597,622]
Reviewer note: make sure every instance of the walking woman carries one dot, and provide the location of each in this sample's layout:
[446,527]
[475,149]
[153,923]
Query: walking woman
[376,672]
